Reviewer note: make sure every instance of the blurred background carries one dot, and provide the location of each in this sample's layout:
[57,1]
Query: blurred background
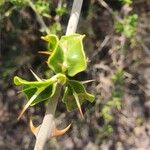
[117,45]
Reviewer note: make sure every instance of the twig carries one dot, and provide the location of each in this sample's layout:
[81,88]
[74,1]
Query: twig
[39,18]
[105,5]
[48,121]
[110,10]
[145,48]
[103,44]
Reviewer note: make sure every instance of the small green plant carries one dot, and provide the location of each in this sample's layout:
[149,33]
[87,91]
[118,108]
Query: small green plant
[117,94]
[127,26]
[55,28]
[66,60]
[42,7]
[18,2]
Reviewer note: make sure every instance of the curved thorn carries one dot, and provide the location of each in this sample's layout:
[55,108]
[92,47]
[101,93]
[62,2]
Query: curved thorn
[57,132]
[34,129]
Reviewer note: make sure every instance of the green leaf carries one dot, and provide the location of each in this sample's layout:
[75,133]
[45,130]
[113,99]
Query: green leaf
[42,7]
[55,61]
[38,91]
[37,84]
[35,91]
[44,95]
[74,56]
[52,41]
[34,84]
[77,88]
[68,56]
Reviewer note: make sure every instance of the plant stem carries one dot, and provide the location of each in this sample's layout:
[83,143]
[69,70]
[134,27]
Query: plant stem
[39,18]
[74,17]
[48,121]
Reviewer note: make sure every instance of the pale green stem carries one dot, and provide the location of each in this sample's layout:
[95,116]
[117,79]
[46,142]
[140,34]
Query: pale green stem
[48,121]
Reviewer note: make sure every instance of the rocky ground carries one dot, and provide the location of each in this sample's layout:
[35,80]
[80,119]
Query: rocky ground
[131,124]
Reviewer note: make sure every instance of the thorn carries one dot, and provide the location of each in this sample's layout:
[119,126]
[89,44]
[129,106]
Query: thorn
[87,81]
[38,79]
[57,132]
[18,92]
[44,38]
[44,52]
[23,110]
[78,104]
[81,113]
[88,60]
[34,129]
[29,102]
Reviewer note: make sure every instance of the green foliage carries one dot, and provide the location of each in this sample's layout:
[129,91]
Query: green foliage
[18,3]
[55,28]
[42,7]
[74,89]
[126,1]
[108,129]
[106,113]
[61,10]
[117,94]
[114,103]
[67,59]
[127,26]
[38,91]
[68,56]
[1,2]
[118,77]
